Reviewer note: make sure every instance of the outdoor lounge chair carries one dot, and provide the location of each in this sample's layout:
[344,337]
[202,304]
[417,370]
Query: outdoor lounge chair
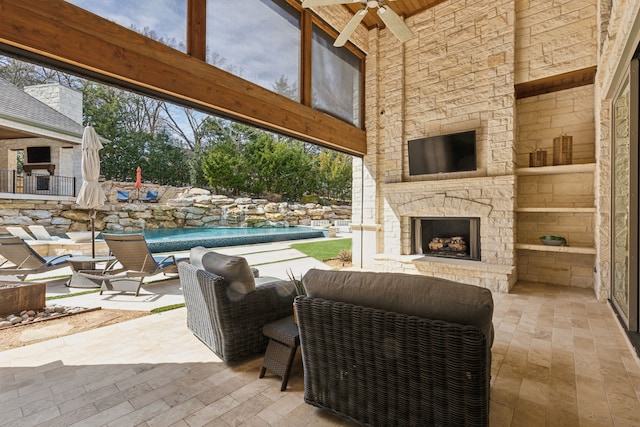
[122,196]
[41,233]
[152,196]
[136,260]
[26,260]
[20,232]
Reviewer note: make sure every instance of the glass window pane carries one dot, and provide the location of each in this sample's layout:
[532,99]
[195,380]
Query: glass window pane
[258,40]
[335,79]
[161,20]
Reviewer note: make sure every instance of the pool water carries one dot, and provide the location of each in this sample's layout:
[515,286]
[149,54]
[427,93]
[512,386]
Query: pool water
[183,239]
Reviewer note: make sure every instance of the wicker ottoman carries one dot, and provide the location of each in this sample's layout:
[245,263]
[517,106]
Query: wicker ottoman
[283,343]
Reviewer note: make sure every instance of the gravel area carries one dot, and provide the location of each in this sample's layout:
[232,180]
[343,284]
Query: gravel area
[66,322]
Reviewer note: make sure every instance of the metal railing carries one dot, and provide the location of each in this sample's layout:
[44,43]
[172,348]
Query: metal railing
[23,183]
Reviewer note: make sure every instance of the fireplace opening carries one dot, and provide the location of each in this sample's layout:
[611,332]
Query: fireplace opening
[449,237]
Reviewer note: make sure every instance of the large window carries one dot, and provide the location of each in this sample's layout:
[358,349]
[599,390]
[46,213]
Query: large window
[335,79]
[258,40]
[162,20]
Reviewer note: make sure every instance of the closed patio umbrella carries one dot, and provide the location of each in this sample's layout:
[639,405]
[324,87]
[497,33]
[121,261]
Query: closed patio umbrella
[91,195]
[138,183]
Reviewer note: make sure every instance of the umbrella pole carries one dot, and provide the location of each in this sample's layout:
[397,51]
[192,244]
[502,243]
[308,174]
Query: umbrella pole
[92,215]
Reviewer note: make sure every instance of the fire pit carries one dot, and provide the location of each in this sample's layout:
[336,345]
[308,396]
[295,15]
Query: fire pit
[18,296]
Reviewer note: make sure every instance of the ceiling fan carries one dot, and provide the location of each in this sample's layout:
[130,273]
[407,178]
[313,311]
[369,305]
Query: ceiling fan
[388,16]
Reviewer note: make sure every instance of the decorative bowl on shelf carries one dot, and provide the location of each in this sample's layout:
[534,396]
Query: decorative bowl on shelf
[553,241]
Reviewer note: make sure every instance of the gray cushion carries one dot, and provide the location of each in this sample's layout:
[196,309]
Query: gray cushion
[417,295]
[235,270]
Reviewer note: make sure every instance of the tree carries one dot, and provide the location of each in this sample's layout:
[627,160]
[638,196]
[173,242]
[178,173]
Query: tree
[224,168]
[21,74]
[176,145]
[282,87]
[334,173]
[165,163]
[122,155]
[291,169]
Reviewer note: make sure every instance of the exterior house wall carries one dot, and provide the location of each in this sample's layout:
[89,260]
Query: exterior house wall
[65,155]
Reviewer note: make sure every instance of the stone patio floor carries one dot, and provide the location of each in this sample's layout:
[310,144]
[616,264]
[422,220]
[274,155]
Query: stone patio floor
[560,358]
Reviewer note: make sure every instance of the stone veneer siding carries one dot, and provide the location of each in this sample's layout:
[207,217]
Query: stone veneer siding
[456,74]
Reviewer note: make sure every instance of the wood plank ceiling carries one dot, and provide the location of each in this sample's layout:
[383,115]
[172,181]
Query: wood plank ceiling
[404,8]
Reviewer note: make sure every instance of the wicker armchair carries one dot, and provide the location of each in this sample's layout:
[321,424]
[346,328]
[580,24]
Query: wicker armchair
[380,367]
[229,322]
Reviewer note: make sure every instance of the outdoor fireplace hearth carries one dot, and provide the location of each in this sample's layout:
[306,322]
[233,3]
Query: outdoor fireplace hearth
[447,237]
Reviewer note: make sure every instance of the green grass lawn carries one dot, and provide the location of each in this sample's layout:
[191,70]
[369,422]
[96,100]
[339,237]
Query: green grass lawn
[323,250]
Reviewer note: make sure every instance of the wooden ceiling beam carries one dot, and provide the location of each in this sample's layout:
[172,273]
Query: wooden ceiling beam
[57,32]
[197,29]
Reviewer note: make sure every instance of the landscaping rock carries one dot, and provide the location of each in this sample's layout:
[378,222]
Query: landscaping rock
[31,316]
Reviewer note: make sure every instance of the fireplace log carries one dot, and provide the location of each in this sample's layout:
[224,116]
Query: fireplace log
[448,244]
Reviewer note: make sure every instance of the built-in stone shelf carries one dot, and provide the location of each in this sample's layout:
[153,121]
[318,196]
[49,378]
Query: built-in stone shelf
[556,170]
[564,249]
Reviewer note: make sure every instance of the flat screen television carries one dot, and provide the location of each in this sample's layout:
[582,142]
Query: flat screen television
[38,155]
[455,152]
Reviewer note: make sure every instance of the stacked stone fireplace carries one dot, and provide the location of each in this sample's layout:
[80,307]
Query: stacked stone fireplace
[479,210]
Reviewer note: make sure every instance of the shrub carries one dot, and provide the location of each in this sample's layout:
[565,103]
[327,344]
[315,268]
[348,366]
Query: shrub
[344,255]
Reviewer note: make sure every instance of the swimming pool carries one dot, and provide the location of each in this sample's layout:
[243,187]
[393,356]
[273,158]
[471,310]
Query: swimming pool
[183,239]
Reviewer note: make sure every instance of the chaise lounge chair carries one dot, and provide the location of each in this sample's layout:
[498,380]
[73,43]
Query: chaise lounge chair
[122,196]
[41,233]
[151,197]
[136,260]
[26,260]
[20,232]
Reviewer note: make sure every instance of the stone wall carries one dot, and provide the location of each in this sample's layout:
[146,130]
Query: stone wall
[458,73]
[554,37]
[189,208]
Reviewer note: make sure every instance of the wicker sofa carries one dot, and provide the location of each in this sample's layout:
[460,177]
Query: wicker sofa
[227,306]
[390,349]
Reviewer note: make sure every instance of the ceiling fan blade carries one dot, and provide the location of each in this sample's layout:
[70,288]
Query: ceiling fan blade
[395,23]
[350,27]
[314,3]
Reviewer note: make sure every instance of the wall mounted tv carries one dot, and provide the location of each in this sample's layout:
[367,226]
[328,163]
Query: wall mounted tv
[455,152]
[38,155]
